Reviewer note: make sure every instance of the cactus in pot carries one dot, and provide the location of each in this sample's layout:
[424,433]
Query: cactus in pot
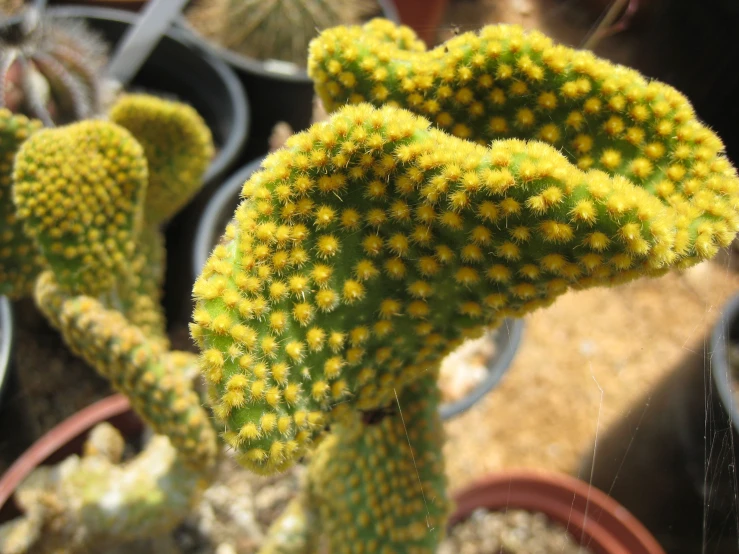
[51,69]
[273,29]
[372,244]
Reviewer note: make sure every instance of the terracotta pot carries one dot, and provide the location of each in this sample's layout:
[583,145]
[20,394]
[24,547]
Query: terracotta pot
[594,519]
[423,16]
[64,440]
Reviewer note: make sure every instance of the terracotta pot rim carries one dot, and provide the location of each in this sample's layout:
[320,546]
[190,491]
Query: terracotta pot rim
[589,514]
[57,437]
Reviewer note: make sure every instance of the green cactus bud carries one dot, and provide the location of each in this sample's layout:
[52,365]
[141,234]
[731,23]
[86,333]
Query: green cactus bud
[52,71]
[372,245]
[178,146]
[381,487]
[272,29]
[154,379]
[79,191]
[20,262]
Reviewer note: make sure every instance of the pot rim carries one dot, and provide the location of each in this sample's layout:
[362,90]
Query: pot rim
[507,337]
[7,336]
[237,95]
[719,358]
[589,514]
[53,440]
[272,69]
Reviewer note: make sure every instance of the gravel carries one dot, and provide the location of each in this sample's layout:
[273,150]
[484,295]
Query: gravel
[509,532]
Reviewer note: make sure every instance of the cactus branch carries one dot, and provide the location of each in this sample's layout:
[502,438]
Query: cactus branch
[372,245]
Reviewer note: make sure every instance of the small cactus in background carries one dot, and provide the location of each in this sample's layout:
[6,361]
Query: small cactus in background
[83,205]
[272,29]
[52,70]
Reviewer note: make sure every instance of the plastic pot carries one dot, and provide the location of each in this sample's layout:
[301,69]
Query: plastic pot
[219,212]
[66,439]
[707,417]
[423,16]
[6,344]
[278,91]
[592,518]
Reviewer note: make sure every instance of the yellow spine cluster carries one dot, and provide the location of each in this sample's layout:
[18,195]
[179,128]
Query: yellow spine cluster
[178,147]
[20,262]
[372,245]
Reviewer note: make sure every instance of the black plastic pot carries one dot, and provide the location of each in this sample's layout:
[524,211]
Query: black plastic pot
[711,434]
[16,428]
[219,212]
[6,344]
[278,91]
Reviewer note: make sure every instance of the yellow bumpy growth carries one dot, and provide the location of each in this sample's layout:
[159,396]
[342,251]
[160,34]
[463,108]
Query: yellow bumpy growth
[372,245]
[79,191]
[153,378]
[178,146]
[19,258]
[504,82]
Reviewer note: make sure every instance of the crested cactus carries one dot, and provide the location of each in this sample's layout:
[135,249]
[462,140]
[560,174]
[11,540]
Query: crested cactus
[507,83]
[52,70]
[374,243]
[79,191]
[273,29]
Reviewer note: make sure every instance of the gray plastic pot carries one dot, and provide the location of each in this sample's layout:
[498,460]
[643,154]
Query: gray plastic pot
[219,212]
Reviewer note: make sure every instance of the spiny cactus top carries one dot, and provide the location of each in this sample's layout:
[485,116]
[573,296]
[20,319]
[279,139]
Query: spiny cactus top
[178,147]
[372,245]
[52,73]
[19,259]
[504,82]
[79,190]
[272,29]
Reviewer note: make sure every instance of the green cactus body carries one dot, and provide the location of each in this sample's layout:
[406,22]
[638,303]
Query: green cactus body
[380,487]
[272,29]
[154,379]
[372,245]
[52,72]
[178,147]
[79,190]
[20,261]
